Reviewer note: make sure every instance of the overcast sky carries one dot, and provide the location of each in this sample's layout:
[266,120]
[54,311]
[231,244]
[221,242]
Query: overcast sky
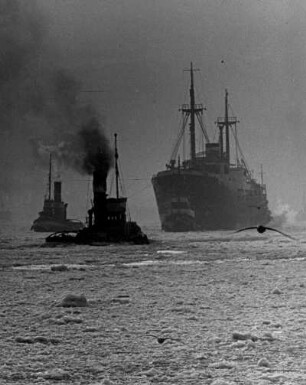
[135,51]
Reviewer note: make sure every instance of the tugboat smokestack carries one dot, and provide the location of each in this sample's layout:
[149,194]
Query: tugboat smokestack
[99,191]
[57,191]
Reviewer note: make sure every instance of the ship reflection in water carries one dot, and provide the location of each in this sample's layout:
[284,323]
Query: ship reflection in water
[207,191]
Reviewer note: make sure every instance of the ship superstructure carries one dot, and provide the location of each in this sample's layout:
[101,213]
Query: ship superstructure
[53,216]
[207,191]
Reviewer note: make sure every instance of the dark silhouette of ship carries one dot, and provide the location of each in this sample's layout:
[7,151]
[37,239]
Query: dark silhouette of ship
[107,219]
[53,216]
[207,191]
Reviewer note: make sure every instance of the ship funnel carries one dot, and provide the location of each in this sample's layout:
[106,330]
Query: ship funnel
[57,191]
[99,192]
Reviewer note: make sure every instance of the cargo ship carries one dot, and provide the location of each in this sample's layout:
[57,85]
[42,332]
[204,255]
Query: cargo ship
[207,191]
[53,216]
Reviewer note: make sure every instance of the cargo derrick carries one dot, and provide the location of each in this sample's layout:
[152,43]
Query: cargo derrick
[206,191]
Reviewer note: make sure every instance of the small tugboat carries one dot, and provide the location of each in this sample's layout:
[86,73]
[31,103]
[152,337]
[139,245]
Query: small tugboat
[107,219]
[53,217]
[181,216]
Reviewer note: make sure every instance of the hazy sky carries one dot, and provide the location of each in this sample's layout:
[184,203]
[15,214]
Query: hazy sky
[135,51]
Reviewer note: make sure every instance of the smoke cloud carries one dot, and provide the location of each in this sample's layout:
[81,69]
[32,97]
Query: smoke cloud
[39,107]
[86,151]
[96,154]
[284,215]
[77,136]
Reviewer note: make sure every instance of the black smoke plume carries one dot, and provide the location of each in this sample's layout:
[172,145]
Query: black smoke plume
[97,153]
[86,151]
[40,110]
[39,107]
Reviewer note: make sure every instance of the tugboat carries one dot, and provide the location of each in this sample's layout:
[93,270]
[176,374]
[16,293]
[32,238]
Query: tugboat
[180,217]
[107,219]
[217,194]
[53,217]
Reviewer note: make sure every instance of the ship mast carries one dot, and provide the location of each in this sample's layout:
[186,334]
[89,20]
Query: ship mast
[226,122]
[227,143]
[116,167]
[193,110]
[261,175]
[192,120]
[49,180]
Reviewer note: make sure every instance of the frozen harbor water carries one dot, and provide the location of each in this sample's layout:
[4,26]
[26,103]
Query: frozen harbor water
[232,307]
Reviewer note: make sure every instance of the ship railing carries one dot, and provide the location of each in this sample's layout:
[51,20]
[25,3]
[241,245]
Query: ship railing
[187,107]
[230,119]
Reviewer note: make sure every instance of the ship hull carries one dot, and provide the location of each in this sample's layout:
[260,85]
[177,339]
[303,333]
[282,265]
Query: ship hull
[46,225]
[218,202]
[179,223]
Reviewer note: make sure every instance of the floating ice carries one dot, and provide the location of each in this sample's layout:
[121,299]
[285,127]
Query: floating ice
[142,263]
[243,336]
[54,267]
[222,365]
[221,382]
[73,300]
[170,252]
[24,340]
[273,378]
[159,262]
[56,375]
[59,268]
[72,320]
[263,362]
[276,291]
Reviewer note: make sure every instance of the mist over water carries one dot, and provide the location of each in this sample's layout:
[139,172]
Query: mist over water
[199,287]
[135,53]
[39,110]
